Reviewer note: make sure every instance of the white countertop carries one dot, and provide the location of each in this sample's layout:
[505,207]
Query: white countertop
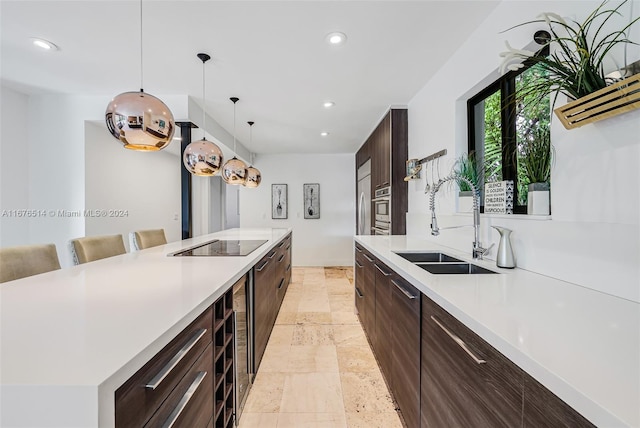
[70,338]
[581,344]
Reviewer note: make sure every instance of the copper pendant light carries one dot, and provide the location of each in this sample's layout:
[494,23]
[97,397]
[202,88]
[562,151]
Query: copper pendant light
[234,171]
[203,157]
[254,177]
[139,120]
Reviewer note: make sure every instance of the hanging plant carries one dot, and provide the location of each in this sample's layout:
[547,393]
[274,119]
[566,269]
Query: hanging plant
[576,66]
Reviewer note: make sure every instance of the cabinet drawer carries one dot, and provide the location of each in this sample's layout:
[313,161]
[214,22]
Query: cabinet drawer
[139,397]
[190,404]
[465,381]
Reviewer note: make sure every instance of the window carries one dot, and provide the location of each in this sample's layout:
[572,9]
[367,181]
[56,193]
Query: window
[499,118]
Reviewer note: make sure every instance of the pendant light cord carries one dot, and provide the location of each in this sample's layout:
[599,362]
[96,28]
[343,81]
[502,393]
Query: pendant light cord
[141,63]
[234,129]
[204,106]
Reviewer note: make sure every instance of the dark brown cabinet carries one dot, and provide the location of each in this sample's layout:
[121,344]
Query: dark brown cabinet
[190,382]
[405,348]
[272,275]
[543,409]
[264,303]
[465,382]
[387,147]
[441,373]
[384,320]
[359,285]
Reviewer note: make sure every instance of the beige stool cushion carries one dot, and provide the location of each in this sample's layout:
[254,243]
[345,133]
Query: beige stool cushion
[94,248]
[142,239]
[23,261]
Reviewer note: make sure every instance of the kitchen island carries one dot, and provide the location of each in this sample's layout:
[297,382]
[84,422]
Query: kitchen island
[71,337]
[582,345]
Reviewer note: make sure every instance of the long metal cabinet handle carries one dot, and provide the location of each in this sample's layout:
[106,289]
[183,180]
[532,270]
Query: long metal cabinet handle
[358,264]
[288,268]
[281,284]
[401,288]
[281,258]
[287,249]
[359,293]
[381,271]
[358,250]
[155,382]
[182,404]
[459,341]
[263,266]
[272,255]
[368,258]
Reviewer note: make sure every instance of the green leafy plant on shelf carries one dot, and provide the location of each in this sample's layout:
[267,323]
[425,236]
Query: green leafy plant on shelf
[468,167]
[576,64]
[535,155]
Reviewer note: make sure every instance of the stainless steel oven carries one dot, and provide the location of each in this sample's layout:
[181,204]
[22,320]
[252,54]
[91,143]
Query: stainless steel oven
[381,228]
[382,205]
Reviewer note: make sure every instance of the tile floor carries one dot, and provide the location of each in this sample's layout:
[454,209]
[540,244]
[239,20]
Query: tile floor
[318,370]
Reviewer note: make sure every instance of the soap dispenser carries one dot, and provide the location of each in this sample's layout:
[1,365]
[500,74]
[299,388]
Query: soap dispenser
[504,258]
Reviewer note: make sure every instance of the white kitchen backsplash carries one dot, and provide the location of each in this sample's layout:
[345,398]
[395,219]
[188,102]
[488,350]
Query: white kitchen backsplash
[601,256]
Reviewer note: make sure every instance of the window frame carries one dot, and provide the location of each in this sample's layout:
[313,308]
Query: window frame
[506,84]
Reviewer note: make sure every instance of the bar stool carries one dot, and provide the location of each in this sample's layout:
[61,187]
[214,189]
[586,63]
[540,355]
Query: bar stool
[142,239]
[27,260]
[93,248]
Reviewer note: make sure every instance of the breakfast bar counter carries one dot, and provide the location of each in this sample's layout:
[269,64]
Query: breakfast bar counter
[71,337]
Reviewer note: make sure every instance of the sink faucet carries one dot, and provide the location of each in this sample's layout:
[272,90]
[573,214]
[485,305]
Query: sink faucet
[478,251]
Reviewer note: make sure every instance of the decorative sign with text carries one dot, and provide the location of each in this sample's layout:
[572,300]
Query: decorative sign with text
[498,197]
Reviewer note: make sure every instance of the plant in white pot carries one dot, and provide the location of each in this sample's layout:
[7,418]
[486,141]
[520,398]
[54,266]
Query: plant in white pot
[535,157]
[467,166]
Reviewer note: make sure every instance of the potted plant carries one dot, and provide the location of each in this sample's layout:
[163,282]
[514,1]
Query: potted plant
[575,65]
[535,157]
[467,166]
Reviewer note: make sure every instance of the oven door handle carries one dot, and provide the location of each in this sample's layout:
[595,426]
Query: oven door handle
[381,199]
[382,231]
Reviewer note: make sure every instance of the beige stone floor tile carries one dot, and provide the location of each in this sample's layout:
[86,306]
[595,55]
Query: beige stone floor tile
[258,420]
[356,359]
[312,393]
[313,318]
[281,335]
[275,359]
[265,394]
[339,286]
[373,420]
[313,358]
[365,392]
[312,420]
[314,303]
[348,335]
[287,318]
[344,317]
[335,272]
[313,335]
[341,303]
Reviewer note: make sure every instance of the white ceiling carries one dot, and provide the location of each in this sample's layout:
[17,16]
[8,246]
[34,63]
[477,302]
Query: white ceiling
[272,55]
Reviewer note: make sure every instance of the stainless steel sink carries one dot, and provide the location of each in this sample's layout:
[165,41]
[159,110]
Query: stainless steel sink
[428,257]
[453,268]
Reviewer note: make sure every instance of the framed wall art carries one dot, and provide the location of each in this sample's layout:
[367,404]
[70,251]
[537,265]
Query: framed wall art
[279,206]
[311,194]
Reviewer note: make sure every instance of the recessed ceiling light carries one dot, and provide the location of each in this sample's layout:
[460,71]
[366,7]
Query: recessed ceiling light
[336,38]
[324,134]
[328,104]
[44,44]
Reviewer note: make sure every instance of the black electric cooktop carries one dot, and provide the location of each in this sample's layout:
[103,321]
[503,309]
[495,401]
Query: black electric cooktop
[222,248]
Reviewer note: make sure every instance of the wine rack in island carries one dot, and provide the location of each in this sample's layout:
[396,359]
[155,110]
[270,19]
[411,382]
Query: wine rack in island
[223,330]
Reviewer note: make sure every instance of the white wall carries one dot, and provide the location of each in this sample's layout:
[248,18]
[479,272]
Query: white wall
[51,132]
[138,190]
[14,168]
[327,241]
[593,238]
